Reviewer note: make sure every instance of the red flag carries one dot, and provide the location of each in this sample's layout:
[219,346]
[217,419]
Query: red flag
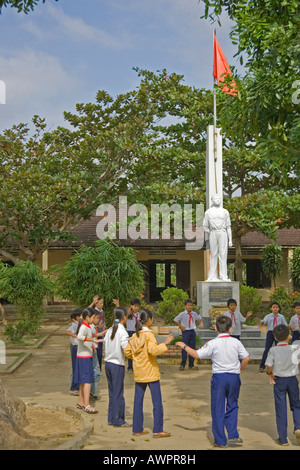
[221,67]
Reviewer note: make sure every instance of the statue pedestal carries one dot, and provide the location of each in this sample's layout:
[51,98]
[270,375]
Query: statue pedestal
[214,295]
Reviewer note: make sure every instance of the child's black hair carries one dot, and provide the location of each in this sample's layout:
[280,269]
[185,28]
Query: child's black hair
[275,303]
[231,301]
[223,323]
[87,312]
[281,332]
[188,301]
[119,314]
[135,301]
[76,313]
[296,304]
[144,317]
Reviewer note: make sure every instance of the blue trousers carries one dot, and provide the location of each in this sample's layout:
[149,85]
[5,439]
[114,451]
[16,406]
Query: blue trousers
[129,366]
[189,338]
[286,386]
[116,404]
[100,354]
[73,351]
[295,336]
[158,412]
[97,374]
[225,389]
[269,343]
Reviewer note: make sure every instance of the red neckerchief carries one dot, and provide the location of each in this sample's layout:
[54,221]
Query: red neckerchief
[275,320]
[190,318]
[232,317]
[136,316]
[86,324]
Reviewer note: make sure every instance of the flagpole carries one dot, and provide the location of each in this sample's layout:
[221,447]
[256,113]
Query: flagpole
[215,122]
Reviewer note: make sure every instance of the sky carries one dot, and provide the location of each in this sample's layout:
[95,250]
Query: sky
[64,52]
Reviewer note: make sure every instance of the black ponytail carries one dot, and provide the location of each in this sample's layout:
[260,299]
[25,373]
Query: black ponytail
[145,315]
[119,314]
[87,312]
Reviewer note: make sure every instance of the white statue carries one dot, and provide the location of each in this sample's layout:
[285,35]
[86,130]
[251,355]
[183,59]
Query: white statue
[217,227]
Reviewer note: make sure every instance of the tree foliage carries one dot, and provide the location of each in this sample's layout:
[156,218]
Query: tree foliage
[25,286]
[106,269]
[24,6]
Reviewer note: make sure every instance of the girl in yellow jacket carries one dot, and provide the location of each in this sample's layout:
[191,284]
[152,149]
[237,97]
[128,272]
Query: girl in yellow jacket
[143,349]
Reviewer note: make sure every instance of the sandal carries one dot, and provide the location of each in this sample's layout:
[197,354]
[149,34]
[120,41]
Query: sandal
[140,433]
[90,409]
[80,407]
[157,435]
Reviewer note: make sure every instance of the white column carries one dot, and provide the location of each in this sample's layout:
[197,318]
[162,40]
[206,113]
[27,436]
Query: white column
[214,165]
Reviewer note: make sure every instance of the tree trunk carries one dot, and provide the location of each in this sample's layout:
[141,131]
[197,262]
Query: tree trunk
[12,420]
[238,264]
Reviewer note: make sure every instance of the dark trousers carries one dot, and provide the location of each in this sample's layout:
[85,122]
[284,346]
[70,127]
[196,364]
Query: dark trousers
[189,338]
[158,412]
[269,343]
[116,405]
[129,366]
[225,389]
[286,386]
[295,336]
[100,354]
[73,350]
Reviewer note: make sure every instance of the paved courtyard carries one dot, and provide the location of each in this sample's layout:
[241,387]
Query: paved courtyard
[45,379]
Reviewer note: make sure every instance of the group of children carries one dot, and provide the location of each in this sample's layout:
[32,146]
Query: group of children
[131,337]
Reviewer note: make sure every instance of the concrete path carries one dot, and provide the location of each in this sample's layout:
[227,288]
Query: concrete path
[45,379]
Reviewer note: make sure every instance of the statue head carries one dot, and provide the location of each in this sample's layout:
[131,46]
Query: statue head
[216,200]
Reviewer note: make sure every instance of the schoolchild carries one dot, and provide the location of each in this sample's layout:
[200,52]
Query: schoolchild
[282,368]
[84,373]
[186,321]
[271,320]
[236,317]
[96,367]
[115,342]
[295,322]
[142,348]
[228,357]
[71,332]
[97,304]
[133,317]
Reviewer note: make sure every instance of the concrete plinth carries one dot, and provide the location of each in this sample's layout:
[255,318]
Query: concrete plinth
[215,295]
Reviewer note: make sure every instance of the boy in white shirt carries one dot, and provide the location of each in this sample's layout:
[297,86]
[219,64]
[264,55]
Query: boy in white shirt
[282,368]
[228,357]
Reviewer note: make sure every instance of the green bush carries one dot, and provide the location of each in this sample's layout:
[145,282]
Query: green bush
[286,299]
[272,261]
[172,303]
[250,300]
[107,270]
[25,286]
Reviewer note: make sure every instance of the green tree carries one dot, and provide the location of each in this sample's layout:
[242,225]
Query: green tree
[295,267]
[21,5]
[25,286]
[272,261]
[106,269]
[113,146]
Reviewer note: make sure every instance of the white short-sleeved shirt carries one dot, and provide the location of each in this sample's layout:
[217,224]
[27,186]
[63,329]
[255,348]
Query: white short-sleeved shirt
[73,329]
[225,353]
[188,321]
[284,359]
[295,321]
[237,320]
[114,348]
[270,319]
[131,322]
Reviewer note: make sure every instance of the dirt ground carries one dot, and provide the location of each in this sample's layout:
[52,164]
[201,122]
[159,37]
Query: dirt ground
[45,379]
